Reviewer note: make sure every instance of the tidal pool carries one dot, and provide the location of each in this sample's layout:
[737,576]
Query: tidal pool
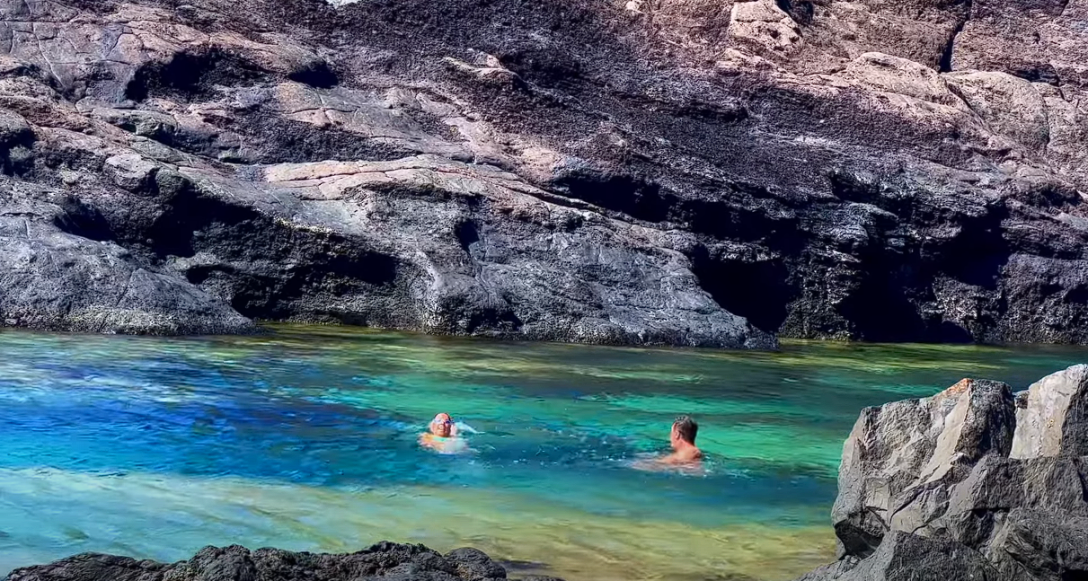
[305,439]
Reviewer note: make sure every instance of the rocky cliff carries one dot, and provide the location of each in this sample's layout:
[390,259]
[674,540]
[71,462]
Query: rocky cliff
[645,171]
[384,561]
[974,483]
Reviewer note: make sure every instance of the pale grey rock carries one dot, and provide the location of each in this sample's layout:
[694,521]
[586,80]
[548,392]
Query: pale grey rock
[1055,419]
[972,483]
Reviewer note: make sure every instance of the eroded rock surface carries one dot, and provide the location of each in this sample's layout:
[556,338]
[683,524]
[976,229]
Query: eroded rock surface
[972,483]
[385,561]
[649,171]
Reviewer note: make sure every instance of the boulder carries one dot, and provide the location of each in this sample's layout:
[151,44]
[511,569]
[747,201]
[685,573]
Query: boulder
[900,459]
[1054,421]
[971,483]
[764,25]
[1041,545]
[903,556]
[56,273]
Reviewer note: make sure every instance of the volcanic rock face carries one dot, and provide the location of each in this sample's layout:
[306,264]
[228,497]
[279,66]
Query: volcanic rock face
[652,171]
[384,561]
[971,483]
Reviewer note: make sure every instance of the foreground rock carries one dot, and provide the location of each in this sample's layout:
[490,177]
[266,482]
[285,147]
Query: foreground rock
[972,483]
[675,171]
[386,561]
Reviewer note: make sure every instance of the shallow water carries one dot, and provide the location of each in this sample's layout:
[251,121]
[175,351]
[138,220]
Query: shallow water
[306,439]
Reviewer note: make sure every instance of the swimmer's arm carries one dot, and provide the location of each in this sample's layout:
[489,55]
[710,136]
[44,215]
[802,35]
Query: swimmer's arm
[670,460]
[651,464]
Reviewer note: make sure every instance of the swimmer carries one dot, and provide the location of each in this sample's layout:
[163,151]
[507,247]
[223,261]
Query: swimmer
[442,436]
[682,438]
[684,452]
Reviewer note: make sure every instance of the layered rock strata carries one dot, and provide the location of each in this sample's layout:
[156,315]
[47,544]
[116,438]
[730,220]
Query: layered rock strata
[645,171]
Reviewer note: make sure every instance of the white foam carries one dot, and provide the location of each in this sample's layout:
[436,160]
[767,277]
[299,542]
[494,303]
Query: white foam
[463,428]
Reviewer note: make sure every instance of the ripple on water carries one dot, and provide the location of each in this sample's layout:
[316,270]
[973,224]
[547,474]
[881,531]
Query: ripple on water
[307,439]
[180,515]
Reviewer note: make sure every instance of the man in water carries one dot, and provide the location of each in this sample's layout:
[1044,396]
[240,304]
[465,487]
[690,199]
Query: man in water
[443,436]
[682,439]
[684,453]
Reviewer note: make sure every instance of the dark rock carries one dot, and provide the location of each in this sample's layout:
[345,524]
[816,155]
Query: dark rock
[902,556]
[1042,546]
[55,275]
[384,561]
[679,172]
[475,565]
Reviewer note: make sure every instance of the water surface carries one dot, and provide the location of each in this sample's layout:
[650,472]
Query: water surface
[305,439]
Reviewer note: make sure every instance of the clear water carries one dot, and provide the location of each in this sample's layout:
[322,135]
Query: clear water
[306,439]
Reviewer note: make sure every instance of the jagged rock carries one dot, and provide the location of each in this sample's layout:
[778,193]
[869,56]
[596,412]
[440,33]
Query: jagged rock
[900,458]
[902,556]
[53,275]
[1041,546]
[718,172]
[385,561]
[1055,420]
[970,482]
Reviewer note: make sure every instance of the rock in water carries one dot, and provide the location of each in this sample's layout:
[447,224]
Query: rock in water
[972,483]
[901,458]
[384,561]
[672,172]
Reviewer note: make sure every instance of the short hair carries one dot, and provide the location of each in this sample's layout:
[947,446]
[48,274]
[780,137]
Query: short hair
[686,428]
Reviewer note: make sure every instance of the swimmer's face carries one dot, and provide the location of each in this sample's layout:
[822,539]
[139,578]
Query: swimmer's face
[442,425]
[674,437]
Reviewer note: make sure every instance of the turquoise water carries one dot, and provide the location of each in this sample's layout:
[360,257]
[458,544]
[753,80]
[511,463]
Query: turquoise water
[307,439]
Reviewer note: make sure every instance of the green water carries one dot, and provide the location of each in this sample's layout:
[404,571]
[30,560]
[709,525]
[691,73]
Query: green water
[306,439]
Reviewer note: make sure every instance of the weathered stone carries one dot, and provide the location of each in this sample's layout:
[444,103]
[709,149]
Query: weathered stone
[130,171]
[905,556]
[13,129]
[900,458]
[385,561]
[1041,545]
[1011,106]
[764,25]
[52,276]
[717,171]
[1055,420]
[942,488]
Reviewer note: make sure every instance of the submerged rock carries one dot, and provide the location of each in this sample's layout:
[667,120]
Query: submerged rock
[385,561]
[966,485]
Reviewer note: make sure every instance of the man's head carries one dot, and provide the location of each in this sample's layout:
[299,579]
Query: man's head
[684,430]
[442,425]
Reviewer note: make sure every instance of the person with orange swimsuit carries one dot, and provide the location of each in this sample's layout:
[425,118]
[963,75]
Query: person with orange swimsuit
[442,436]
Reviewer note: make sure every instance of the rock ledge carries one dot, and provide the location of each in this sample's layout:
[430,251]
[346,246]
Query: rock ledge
[384,561]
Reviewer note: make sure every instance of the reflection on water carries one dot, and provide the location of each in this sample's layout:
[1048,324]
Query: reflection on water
[307,439]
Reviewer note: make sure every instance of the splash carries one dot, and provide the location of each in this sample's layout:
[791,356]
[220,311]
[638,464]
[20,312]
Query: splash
[463,428]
